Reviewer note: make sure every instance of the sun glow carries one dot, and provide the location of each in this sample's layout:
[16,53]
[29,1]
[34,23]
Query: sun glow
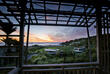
[34,38]
[45,37]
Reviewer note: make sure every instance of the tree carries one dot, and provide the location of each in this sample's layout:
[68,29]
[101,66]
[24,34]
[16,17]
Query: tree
[7,29]
[10,42]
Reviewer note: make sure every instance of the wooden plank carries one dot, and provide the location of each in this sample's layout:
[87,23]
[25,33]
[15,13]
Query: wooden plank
[8,46]
[87,2]
[10,35]
[69,25]
[59,69]
[108,62]
[14,71]
[7,68]
[60,65]
[9,56]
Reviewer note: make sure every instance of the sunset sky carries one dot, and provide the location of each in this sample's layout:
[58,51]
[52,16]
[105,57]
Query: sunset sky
[55,34]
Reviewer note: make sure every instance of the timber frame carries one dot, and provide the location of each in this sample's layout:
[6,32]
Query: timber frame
[40,12]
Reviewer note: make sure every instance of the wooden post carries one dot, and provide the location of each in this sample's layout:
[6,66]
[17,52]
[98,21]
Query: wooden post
[90,51]
[27,42]
[108,44]
[21,42]
[108,49]
[99,33]
[21,53]
[88,35]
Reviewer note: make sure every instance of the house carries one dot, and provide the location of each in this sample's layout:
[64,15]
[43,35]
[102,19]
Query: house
[79,50]
[51,51]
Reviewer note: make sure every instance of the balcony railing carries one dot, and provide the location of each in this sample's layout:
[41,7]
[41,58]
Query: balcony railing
[9,64]
[76,68]
[8,61]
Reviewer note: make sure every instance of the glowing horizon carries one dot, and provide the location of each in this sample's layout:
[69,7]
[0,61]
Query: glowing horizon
[53,34]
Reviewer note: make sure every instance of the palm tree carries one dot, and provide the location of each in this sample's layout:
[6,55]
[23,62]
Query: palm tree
[7,29]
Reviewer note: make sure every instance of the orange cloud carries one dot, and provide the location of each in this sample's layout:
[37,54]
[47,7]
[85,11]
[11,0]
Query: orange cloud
[56,38]
[34,37]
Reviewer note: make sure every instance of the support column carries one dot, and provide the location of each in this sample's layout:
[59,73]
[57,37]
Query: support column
[21,52]
[88,35]
[27,42]
[99,35]
[89,45]
[22,18]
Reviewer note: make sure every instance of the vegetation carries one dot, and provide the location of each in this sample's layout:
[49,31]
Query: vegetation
[65,54]
[10,43]
[8,29]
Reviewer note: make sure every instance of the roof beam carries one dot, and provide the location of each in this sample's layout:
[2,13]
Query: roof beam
[6,17]
[55,12]
[87,2]
[43,24]
[69,25]
[72,12]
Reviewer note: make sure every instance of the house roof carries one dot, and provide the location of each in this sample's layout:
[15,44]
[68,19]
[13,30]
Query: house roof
[51,50]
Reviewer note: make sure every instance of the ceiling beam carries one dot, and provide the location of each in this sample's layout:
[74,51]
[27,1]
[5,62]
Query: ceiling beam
[87,2]
[55,12]
[43,24]
[69,25]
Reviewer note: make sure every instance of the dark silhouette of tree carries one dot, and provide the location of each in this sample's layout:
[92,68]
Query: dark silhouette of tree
[7,29]
[11,42]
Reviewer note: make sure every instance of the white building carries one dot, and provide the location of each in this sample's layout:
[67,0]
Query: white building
[51,51]
[79,50]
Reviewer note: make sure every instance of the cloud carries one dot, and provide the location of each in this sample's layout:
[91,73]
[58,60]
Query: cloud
[58,37]
[32,37]
[68,33]
[56,34]
[35,38]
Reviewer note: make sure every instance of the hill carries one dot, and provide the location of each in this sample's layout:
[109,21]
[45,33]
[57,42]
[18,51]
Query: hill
[80,42]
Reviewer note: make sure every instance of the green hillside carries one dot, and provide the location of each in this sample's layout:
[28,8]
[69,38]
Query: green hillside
[66,52]
[81,42]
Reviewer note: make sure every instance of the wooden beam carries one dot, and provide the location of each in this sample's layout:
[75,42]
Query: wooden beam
[55,12]
[87,2]
[99,35]
[60,69]
[103,26]
[69,25]
[43,24]
[9,57]
[14,71]
[60,65]
[7,68]
[10,35]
